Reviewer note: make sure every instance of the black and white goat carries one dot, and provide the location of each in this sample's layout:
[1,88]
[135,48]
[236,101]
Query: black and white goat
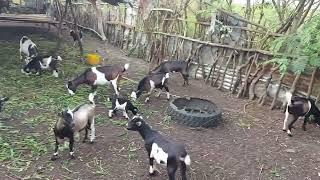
[165,152]
[174,66]
[74,36]
[97,76]
[2,100]
[28,48]
[123,104]
[150,82]
[71,122]
[40,63]
[299,107]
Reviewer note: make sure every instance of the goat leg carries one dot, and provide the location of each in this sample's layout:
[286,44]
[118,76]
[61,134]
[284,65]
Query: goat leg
[171,170]
[92,131]
[86,134]
[305,123]
[183,169]
[55,154]
[71,147]
[168,93]
[152,170]
[93,93]
[291,125]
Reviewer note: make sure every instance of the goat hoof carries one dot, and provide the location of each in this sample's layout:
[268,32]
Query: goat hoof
[155,173]
[72,157]
[91,142]
[53,158]
[284,130]
[290,135]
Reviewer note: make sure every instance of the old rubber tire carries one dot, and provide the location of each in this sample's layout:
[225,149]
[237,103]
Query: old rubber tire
[178,113]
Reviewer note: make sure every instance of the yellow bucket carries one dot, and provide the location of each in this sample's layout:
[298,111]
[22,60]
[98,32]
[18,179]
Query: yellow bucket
[93,59]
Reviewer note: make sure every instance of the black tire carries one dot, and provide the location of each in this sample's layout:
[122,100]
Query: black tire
[211,116]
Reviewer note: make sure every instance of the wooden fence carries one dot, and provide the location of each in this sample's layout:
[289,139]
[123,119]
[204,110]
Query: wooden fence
[159,37]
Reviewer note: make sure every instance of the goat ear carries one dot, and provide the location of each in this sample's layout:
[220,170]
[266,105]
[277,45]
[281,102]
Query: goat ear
[138,123]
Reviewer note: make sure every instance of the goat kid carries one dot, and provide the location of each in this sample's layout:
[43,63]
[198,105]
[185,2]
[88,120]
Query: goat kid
[71,122]
[122,104]
[28,48]
[299,107]
[2,100]
[40,63]
[149,83]
[174,66]
[97,76]
[74,36]
[165,152]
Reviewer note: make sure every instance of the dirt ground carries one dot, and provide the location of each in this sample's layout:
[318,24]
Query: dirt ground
[247,144]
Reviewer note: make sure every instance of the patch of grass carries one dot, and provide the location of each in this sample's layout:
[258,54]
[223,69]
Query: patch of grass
[243,124]
[275,172]
[34,101]
[167,120]
[120,123]
[132,151]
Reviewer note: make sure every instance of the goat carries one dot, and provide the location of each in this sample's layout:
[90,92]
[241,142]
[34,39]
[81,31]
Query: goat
[74,35]
[28,48]
[40,63]
[2,100]
[95,76]
[71,122]
[117,2]
[299,107]
[123,104]
[150,82]
[165,152]
[174,66]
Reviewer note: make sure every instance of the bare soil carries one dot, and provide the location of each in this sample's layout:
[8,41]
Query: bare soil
[247,144]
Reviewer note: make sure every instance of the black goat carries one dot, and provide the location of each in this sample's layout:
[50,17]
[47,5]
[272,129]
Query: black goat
[150,82]
[74,36]
[117,2]
[299,107]
[96,76]
[122,104]
[174,66]
[28,48]
[71,122]
[40,63]
[2,100]
[165,152]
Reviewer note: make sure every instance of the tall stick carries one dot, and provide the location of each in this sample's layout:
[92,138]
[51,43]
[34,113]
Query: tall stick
[311,82]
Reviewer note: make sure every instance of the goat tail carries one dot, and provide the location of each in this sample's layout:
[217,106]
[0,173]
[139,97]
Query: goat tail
[288,97]
[126,67]
[186,160]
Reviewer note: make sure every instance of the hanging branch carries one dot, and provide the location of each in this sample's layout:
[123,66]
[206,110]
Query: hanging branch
[239,74]
[97,10]
[242,91]
[233,72]
[265,94]
[256,80]
[214,63]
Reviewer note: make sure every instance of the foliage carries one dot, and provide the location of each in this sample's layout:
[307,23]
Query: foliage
[300,51]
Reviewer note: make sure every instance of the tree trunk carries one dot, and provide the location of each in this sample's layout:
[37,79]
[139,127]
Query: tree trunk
[75,21]
[255,81]
[311,82]
[97,8]
[61,18]
[273,104]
